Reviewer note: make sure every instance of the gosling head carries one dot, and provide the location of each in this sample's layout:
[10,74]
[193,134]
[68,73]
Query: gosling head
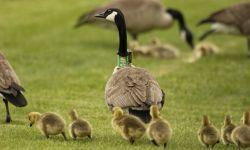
[33,117]
[117,112]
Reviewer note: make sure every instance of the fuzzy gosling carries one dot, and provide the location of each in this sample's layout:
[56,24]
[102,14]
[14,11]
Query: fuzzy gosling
[49,123]
[130,127]
[78,127]
[159,130]
[241,134]
[208,135]
[226,130]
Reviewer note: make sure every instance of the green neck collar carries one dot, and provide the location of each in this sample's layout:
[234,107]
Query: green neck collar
[122,61]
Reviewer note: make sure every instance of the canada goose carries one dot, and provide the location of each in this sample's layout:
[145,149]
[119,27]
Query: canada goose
[130,127]
[241,134]
[49,123]
[10,87]
[142,16]
[232,20]
[226,130]
[159,130]
[130,87]
[78,127]
[208,135]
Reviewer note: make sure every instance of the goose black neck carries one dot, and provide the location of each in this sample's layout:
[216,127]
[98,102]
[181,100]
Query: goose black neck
[121,25]
[177,15]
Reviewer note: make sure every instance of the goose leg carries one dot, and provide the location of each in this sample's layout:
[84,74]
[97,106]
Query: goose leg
[8,118]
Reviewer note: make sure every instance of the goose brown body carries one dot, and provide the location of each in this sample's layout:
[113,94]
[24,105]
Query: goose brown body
[10,86]
[133,87]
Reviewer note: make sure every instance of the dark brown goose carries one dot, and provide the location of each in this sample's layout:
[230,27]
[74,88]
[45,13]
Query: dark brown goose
[232,20]
[10,87]
[129,87]
[141,16]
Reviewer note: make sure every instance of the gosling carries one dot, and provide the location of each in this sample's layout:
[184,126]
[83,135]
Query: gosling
[241,134]
[208,135]
[226,130]
[130,127]
[78,127]
[49,123]
[159,130]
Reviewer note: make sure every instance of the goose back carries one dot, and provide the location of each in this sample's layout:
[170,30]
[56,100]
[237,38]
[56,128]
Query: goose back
[237,15]
[9,81]
[133,87]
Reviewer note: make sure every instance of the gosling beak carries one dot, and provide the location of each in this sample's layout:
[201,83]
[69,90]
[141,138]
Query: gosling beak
[31,124]
[100,15]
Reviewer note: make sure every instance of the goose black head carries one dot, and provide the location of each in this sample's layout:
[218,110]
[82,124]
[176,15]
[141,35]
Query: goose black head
[112,14]
[187,36]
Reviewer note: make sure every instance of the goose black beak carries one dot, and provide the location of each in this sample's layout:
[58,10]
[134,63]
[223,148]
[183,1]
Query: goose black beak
[100,15]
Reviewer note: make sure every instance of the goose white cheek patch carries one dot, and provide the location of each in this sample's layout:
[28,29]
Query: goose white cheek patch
[111,17]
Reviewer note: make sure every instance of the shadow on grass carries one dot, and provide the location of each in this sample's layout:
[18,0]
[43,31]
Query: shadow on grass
[15,122]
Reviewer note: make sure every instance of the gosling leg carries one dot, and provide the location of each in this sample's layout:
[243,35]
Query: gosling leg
[64,136]
[165,145]
[154,142]
[132,141]
[8,118]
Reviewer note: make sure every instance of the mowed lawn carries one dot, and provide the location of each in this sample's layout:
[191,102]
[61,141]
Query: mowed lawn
[62,68]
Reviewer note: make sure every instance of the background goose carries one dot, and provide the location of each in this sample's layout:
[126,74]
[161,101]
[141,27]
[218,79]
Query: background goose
[130,87]
[10,87]
[141,16]
[233,20]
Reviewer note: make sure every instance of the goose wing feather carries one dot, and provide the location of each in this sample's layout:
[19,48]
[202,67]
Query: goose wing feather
[132,87]
[9,81]
[235,15]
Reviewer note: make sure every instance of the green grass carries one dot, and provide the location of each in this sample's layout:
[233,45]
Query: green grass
[62,68]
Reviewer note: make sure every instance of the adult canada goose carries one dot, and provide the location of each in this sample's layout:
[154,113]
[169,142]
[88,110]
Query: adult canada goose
[130,87]
[142,16]
[232,20]
[10,87]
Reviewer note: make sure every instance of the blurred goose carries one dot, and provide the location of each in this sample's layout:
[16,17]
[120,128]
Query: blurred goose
[130,87]
[232,20]
[141,16]
[10,87]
